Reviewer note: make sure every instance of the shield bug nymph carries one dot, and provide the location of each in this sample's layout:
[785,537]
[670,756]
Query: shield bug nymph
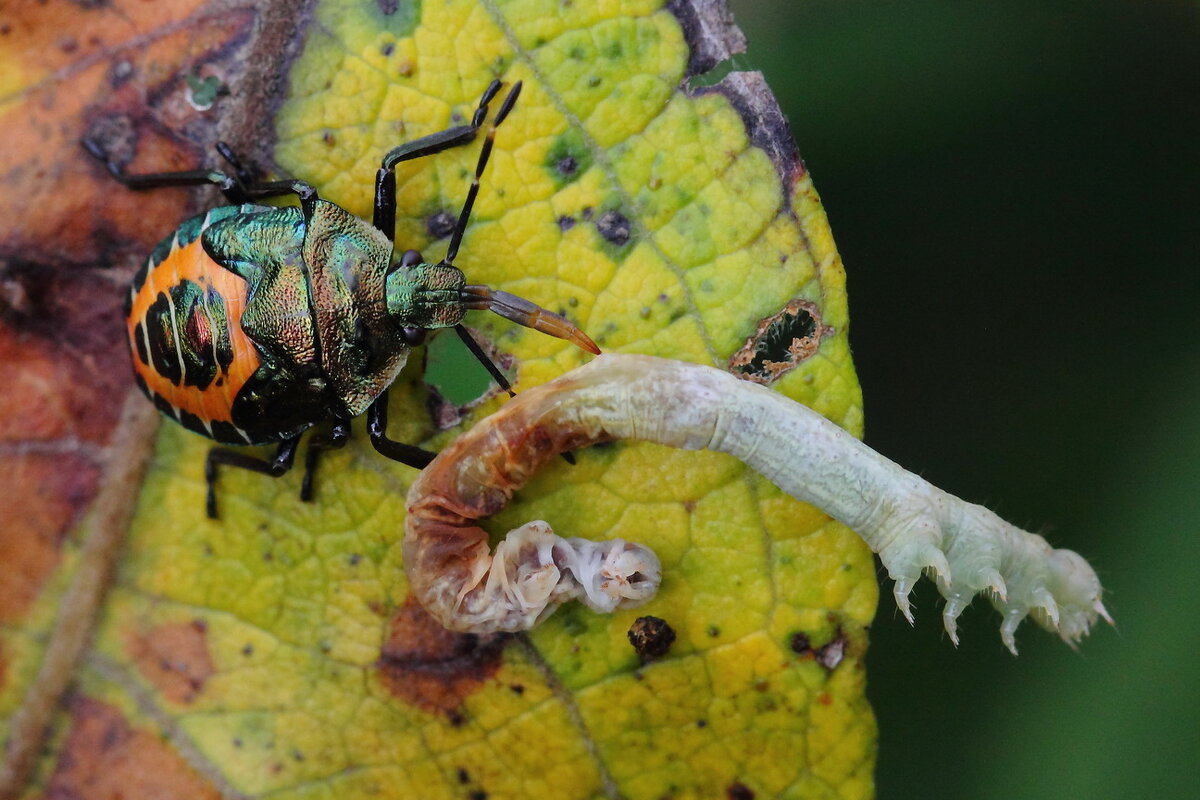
[251,323]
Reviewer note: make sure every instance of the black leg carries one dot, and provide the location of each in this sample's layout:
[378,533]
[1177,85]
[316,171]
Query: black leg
[317,445]
[497,375]
[284,457]
[237,188]
[385,179]
[408,454]
[230,187]
[239,170]
[482,357]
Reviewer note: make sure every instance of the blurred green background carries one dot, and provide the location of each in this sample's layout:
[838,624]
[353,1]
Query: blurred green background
[1013,187]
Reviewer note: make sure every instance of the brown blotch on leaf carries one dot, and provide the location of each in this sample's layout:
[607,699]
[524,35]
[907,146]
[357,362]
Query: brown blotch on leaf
[434,669]
[44,495]
[651,637]
[765,122]
[711,34]
[106,757]
[174,657]
[780,342]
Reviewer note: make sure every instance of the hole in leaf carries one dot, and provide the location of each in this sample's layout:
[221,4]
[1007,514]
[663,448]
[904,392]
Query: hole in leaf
[780,342]
[453,371]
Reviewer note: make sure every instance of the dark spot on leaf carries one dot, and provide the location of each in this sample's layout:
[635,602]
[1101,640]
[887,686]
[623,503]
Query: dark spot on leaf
[739,791]
[568,157]
[800,643]
[463,775]
[517,689]
[651,637]
[565,223]
[714,631]
[354,559]
[701,723]
[478,794]
[614,227]
[780,342]
[441,224]
[387,49]
[328,138]
[248,650]
[388,7]
[434,669]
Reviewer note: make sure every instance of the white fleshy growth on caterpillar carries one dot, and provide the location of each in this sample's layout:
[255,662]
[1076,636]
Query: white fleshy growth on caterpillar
[915,527]
[533,571]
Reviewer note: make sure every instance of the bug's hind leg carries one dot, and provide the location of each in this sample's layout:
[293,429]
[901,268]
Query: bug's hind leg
[285,456]
[316,445]
[230,186]
[238,188]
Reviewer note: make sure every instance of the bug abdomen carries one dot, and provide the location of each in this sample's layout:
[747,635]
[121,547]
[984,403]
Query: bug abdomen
[190,354]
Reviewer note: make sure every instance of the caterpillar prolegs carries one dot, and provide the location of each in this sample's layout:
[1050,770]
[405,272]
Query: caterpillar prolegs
[914,526]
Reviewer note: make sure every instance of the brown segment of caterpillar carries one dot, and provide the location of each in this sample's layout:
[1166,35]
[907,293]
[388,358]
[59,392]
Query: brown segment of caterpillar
[914,526]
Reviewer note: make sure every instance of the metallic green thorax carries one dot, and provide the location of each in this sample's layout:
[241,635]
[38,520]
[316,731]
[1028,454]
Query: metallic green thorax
[362,350]
[426,296]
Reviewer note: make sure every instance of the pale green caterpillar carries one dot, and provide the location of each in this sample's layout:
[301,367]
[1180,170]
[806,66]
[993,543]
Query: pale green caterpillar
[913,526]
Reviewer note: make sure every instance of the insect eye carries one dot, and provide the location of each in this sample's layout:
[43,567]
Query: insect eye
[414,336]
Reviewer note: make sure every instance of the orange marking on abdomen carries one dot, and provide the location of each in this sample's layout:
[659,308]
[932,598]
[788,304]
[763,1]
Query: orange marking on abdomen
[214,403]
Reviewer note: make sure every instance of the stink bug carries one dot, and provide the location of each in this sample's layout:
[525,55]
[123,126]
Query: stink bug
[251,323]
